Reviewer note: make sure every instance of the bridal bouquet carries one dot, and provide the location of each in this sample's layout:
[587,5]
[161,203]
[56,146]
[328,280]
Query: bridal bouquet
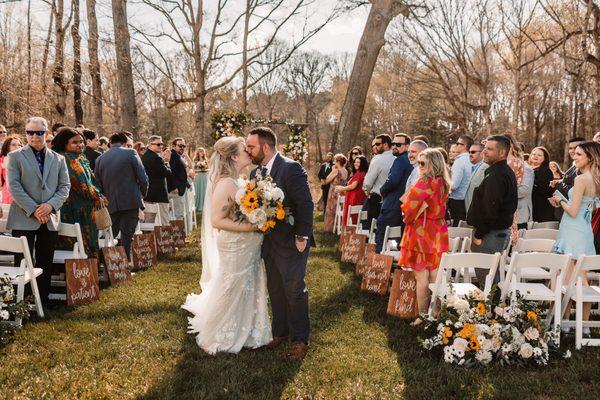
[260,202]
[477,331]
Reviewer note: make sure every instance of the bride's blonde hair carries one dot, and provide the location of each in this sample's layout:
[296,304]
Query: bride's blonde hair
[222,164]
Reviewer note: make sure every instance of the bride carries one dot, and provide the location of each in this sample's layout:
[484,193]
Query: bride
[231,312]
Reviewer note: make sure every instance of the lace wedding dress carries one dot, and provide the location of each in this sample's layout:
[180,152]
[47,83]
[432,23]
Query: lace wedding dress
[231,312]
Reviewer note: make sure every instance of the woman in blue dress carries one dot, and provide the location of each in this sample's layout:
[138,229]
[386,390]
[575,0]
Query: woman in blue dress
[575,236]
[200,168]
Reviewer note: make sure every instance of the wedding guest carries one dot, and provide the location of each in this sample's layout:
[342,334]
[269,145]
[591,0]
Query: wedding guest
[596,137]
[103,144]
[379,168]
[84,196]
[524,195]
[48,141]
[355,196]
[542,209]
[575,235]
[375,149]
[3,134]
[156,164]
[494,203]
[424,139]
[123,180]
[91,147]
[200,169]
[445,154]
[414,149]
[12,143]
[324,171]
[337,177]
[566,183]
[479,168]
[140,148]
[452,153]
[129,144]
[177,183]
[557,172]
[517,164]
[425,236]
[393,189]
[461,174]
[39,184]
[352,154]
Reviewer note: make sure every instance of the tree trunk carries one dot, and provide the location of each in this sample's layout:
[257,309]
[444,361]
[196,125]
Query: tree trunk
[77,107]
[29,57]
[60,89]
[199,118]
[128,108]
[245,57]
[95,66]
[43,79]
[372,40]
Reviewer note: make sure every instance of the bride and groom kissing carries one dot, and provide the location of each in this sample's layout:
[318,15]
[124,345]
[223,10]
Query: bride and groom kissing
[239,263]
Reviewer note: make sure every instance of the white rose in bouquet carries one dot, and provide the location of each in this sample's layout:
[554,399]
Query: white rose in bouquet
[462,306]
[460,344]
[240,194]
[277,194]
[526,350]
[483,356]
[531,333]
[257,217]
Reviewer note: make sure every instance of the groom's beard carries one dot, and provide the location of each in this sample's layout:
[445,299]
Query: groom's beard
[258,159]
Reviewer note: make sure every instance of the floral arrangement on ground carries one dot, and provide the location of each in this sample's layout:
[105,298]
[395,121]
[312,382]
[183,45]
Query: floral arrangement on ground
[9,308]
[478,330]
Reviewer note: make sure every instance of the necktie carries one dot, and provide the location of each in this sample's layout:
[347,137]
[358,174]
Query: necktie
[38,157]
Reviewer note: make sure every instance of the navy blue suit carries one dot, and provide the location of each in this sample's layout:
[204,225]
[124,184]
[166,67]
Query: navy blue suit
[285,265]
[391,191]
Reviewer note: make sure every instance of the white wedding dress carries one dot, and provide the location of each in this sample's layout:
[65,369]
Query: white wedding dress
[231,312]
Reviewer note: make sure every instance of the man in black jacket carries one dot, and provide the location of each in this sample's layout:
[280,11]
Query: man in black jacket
[494,203]
[325,169]
[156,163]
[91,147]
[177,183]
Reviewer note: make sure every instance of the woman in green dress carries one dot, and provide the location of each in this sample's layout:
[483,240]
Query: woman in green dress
[84,196]
[200,168]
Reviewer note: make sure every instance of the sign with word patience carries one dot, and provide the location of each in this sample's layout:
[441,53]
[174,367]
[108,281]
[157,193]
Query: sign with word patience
[376,277]
[403,295]
[82,281]
[354,247]
[117,264]
[366,258]
[143,251]
[346,231]
[164,240]
[178,233]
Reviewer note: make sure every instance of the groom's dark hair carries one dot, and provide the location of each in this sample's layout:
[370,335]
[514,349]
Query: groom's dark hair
[265,135]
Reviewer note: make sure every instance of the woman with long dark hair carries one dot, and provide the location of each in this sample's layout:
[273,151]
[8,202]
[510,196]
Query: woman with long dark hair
[539,159]
[354,192]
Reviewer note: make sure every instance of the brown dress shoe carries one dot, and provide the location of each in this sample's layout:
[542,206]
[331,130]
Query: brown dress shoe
[276,342]
[297,351]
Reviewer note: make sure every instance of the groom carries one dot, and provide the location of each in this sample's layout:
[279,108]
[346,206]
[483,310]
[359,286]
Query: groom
[285,249]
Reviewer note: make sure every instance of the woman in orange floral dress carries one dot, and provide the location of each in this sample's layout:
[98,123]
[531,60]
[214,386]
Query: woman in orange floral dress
[425,235]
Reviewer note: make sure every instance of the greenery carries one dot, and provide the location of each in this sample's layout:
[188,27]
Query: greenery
[132,344]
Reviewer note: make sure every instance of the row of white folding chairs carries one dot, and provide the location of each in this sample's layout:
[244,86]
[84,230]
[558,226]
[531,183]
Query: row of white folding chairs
[356,213]
[339,214]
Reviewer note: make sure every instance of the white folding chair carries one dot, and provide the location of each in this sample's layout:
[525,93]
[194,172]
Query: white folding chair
[192,206]
[390,244]
[187,223]
[579,294]
[540,234]
[354,211]
[372,230]
[60,256]
[23,274]
[453,244]
[339,211]
[556,264]
[149,226]
[542,225]
[532,246]
[106,238]
[457,262]
[362,216]
[463,224]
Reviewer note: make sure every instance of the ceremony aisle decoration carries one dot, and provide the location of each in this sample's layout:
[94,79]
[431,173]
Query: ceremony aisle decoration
[8,309]
[228,123]
[297,146]
[476,331]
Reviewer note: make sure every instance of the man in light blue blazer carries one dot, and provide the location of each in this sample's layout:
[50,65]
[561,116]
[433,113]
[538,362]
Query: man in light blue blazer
[123,180]
[38,181]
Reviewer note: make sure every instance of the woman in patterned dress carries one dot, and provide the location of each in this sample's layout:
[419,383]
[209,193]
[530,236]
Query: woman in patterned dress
[84,196]
[425,235]
[337,177]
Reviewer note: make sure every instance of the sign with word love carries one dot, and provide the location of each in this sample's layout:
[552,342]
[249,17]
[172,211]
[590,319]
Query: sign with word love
[117,264]
[346,231]
[178,233]
[82,281]
[403,295]
[354,247]
[143,251]
[164,240]
[364,259]
[376,277]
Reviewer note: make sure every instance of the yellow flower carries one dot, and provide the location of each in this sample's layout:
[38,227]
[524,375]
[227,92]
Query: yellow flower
[467,331]
[447,332]
[280,212]
[250,201]
[265,227]
[474,344]
[531,315]
[481,309]
[445,340]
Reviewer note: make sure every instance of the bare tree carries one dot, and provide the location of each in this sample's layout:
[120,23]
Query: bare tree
[77,106]
[60,87]
[95,65]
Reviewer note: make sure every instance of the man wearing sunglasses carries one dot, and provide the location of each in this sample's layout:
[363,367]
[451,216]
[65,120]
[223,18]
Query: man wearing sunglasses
[91,147]
[177,182]
[39,183]
[461,175]
[377,174]
[478,167]
[156,163]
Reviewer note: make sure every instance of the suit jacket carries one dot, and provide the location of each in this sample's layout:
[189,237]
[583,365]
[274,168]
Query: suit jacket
[158,171]
[29,188]
[122,178]
[290,177]
[324,171]
[91,155]
[178,179]
[395,185]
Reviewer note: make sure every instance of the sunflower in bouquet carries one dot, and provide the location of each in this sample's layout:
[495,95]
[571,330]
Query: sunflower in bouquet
[260,202]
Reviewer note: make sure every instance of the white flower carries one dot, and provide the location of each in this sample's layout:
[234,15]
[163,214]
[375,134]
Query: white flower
[567,354]
[507,348]
[239,195]
[499,311]
[451,300]
[531,333]
[4,314]
[486,344]
[495,344]
[460,344]
[478,295]
[257,217]
[462,306]
[483,356]
[448,356]
[537,352]
[278,194]
[526,350]
[268,195]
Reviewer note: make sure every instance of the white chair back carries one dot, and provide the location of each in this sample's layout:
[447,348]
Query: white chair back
[460,232]
[534,245]
[463,224]
[339,212]
[354,211]
[542,225]
[391,232]
[453,244]
[73,230]
[372,230]
[540,234]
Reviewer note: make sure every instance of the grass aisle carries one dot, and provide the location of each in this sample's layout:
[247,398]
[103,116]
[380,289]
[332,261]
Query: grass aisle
[132,344]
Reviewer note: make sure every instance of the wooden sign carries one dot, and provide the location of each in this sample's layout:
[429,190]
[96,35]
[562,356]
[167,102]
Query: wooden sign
[117,264]
[376,278]
[143,251]
[178,233]
[82,281]
[403,296]
[354,247]
[366,258]
[346,231]
[164,240]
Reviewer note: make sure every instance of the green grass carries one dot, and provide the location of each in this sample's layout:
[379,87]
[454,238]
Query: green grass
[132,344]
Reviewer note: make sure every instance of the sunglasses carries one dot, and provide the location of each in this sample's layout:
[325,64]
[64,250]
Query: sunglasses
[3,132]
[142,149]
[158,144]
[39,133]
[422,163]
[377,144]
[396,144]
[181,146]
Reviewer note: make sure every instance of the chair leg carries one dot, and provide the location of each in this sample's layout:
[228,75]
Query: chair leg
[36,294]
[578,315]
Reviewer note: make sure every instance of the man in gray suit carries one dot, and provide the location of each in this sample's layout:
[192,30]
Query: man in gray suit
[124,182]
[39,183]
